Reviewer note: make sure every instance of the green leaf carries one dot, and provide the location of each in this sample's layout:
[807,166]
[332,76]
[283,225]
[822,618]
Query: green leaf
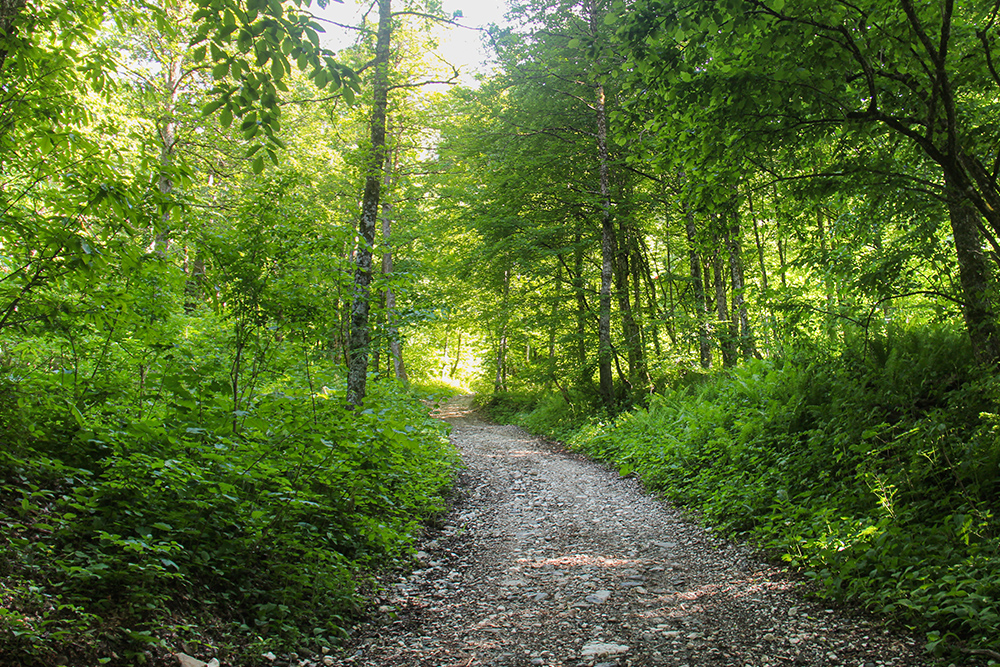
[212,107]
[277,68]
[258,164]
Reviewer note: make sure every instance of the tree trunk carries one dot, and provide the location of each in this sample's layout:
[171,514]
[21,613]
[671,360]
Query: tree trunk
[980,317]
[554,315]
[625,268]
[391,316]
[581,297]
[670,312]
[360,340]
[457,358]
[172,73]
[500,382]
[748,347]
[700,302]
[828,282]
[727,337]
[782,266]
[604,350]
[765,290]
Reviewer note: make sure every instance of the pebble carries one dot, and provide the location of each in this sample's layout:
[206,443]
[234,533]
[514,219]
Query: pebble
[526,564]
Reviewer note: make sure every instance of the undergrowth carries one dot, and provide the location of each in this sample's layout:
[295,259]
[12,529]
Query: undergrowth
[876,473]
[143,511]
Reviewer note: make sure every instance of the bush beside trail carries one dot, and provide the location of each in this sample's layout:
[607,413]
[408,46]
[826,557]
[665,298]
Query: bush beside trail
[136,527]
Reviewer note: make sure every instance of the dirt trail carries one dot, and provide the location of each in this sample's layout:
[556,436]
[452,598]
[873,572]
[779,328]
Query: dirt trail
[551,560]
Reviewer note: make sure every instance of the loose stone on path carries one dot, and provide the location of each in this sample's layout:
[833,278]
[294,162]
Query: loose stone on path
[552,561]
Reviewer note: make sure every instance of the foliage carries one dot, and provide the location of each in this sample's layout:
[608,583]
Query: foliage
[177,470]
[128,531]
[876,472]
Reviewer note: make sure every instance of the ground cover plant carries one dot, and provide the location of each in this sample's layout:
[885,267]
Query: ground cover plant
[160,520]
[876,472]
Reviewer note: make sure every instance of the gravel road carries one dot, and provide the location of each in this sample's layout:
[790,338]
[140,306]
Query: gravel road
[551,560]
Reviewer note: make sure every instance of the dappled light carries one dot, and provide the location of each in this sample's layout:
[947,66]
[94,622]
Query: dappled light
[269,269]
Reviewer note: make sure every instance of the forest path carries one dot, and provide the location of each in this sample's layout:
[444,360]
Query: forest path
[547,559]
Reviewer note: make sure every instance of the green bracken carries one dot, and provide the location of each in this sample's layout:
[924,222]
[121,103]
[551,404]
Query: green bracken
[875,472]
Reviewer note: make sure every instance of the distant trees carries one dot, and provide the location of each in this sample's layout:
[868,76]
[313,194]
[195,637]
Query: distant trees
[738,176]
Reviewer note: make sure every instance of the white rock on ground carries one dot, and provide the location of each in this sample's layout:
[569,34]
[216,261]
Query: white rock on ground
[536,531]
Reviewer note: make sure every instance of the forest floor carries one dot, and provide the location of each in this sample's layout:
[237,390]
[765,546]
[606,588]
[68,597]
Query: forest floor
[548,559]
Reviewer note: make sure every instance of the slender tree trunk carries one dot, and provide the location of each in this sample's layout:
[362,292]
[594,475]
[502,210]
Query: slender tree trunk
[655,318]
[748,347]
[625,267]
[360,341]
[446,353]
[727,336]
[391,316]
[700,302]
[457,358]
[670,313]
[782,265]
[828,281]
[581,297]
[500,382]
[642,379]
[554,314]
[604,349]
[172,74]
[765,289]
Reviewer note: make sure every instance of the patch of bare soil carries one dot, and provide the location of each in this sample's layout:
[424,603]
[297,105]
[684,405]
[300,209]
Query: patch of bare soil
[550,560]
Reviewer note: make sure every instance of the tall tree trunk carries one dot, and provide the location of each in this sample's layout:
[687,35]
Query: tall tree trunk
[604,349]
[581,297]
[655,317]
[172,73]
[391,316]
[625,268]
[979,312]
[782,265]
[700,302]
[457,357]
[828,281]
[554,315]
[446,353]
[765,289]
[748,347]
[670,306]
[360,341]
[500,382]
[727,337]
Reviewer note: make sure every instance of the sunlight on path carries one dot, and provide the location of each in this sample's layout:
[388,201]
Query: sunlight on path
[457,409]
[550,560]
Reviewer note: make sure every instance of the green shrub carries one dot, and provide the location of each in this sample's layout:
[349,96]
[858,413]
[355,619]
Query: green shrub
[133,521]
[876,472]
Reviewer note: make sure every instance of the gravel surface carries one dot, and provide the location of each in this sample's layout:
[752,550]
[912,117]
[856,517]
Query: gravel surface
[547,559]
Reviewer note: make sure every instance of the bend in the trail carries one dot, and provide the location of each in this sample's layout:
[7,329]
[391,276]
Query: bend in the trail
[548,559]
